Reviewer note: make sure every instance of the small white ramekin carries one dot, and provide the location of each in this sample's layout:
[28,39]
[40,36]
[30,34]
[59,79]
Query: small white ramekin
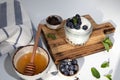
[57,26]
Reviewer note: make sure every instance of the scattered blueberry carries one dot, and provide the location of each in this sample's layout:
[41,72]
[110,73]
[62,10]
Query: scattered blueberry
[85,27]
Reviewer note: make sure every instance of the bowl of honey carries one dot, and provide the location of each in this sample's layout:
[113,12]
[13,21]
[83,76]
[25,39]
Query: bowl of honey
[22,57]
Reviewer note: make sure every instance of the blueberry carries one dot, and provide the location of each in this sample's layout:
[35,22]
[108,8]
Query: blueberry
[66,73]
[74,61]
[62,69]
[62,65]
[71,72]
[68,20]
[69,24]
[85,27]
[72,26]
[79,21]
[71,67]
[66,67]
[77,26]
[69,63]
[68,60]
[77,16]
[75,68]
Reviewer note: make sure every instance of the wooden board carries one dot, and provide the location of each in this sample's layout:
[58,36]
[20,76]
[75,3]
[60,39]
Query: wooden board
[60,49]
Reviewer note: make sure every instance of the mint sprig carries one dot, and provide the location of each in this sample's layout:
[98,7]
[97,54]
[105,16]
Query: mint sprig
[107,43]
[105,64]
[108,76]
[74,20]
[95,72]
[51,35]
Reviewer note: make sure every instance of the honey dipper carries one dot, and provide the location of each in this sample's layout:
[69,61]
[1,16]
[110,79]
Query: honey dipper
[30,67]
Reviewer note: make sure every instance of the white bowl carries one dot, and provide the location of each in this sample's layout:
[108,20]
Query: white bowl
[67,77]
[26,49]
[54,26]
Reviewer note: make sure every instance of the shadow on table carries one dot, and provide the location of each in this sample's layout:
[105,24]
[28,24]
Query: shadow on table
[117,72]
[81,62]
[9,68]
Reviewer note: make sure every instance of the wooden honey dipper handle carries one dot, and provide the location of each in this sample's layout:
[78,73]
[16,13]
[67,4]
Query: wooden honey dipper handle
[36,42]
[30,67]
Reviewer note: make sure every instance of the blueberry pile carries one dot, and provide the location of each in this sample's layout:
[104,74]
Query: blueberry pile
[68,67]
[74,22]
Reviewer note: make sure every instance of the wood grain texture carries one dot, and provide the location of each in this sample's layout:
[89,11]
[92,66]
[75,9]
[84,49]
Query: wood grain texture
[60,49]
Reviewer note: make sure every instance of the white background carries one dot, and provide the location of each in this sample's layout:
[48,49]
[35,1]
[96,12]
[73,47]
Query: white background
[100,10]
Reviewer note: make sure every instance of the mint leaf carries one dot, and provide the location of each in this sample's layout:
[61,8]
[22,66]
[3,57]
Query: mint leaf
[95,72]
[108,76]
[105,64]
[48,35]
[107,40]
[106,45]
[51,35]
[74,20]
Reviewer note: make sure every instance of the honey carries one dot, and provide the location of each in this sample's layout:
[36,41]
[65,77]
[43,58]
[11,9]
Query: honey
[40,62]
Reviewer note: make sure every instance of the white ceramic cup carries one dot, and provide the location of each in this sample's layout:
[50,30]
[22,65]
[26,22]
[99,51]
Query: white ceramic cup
[57,26]
[26,49]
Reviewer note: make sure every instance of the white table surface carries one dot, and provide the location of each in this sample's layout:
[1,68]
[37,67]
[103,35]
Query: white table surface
[100,10]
